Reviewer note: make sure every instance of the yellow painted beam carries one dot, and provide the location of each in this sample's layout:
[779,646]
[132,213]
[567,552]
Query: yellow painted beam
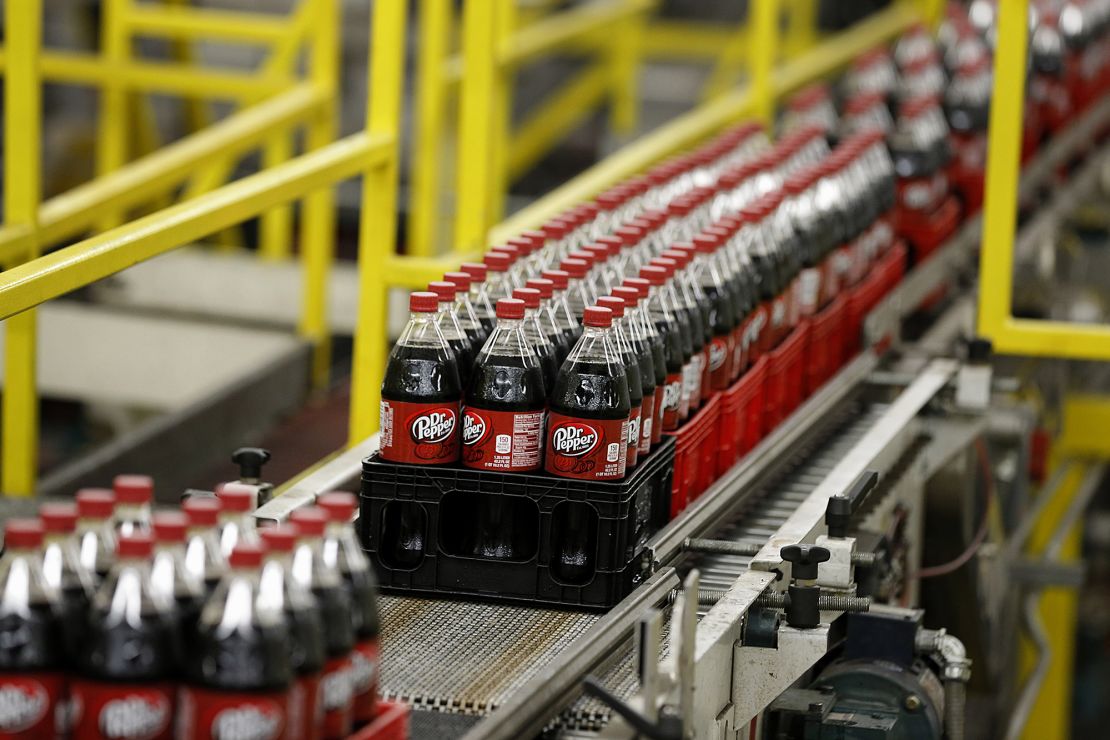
[424,217]
[415,273]
[96,258]
[1086,419]
[684,40]
[378,220]
[207,24]
[19,429]
[74,211]
[764,56]
[562,29]
[78,68]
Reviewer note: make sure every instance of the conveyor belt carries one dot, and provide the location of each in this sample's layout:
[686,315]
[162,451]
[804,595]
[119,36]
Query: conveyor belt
[469,657]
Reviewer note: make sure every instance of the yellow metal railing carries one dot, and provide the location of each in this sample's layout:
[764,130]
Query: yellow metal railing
[371,153]
[1010,335]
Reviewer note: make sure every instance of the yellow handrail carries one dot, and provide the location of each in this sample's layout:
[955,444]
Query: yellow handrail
[1010,335]
[372,153]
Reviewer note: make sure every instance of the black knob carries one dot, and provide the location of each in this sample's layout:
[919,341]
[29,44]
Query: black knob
[979,350]
[250,461]
[804,560]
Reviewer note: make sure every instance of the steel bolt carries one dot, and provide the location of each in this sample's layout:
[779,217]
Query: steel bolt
[913,702]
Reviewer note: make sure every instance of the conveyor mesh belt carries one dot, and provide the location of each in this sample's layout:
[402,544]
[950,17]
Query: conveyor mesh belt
[766,511]
[469,657]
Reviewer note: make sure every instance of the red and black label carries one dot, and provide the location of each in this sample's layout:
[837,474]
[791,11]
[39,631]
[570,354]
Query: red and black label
[420,433]
[591,449]
[217,714]
[809,291]
[112,711]
[830,280]
[647,420]
[336,692]
[632,444]
[305,713]
[28,705]
[720,354]
[502,440]
[706,375]
[672,401]
[364,673]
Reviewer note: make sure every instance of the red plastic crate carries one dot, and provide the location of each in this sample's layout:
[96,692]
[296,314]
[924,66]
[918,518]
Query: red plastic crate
[391,723]
[927,232]
[695,454]
[826,343]
[892,266]
[741,420]
[785,377]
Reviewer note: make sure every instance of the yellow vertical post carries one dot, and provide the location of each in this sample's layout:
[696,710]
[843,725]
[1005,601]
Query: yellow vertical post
[1003,167]
[318,222]
[276,225]
[933,12]
[196,110]
[501,113]
[22,190]
[111,135]
[431,98]
[476,137]
[624,51]
[378,221]
[764,52]
[801,27]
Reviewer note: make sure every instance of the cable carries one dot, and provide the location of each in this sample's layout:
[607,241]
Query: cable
[960,560]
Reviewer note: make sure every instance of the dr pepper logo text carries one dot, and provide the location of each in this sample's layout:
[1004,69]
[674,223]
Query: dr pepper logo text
[475,428]
[574,439]
[434,426]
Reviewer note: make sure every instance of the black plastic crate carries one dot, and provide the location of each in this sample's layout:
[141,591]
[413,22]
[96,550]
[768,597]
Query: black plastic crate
[421,526]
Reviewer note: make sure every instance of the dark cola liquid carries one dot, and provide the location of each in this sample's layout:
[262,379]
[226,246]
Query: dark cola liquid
[502,383]
[252,657]
[562,348]
[31,639]
[334,605]
[464,353]
[120,651]
[549,364]
[420,374]
[671,347]
[585,390]
[75,603]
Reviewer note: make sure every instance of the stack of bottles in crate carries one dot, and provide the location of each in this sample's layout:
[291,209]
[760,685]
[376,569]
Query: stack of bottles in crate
[188,623]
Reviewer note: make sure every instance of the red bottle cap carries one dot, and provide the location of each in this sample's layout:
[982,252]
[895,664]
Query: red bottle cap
[95,503]
[203,511]
[560,278]
[476,270]
[340,506]
[309,521]
[236,497]
[630,234]
[58,517]
[585,211]
[133,489]
[809,97]
[169,526]
[628,294]
[680,207]
[23,533]
[680,256]
[667,264]
[522,244]
[641,285]
[613,303]
[654,217]
[530,296]
[600,252]
[279,537]
[729,179]
[138,545]
[610,199]
[581,254]
[574,267]
[246,555]
[556,228]
[613,244]
[514,253]
[461,279]
[444,290]
[545,286]
[423,302]
[654,274]
[510,308]
[707,242]
[536,237]
[597,316]
[497,261]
